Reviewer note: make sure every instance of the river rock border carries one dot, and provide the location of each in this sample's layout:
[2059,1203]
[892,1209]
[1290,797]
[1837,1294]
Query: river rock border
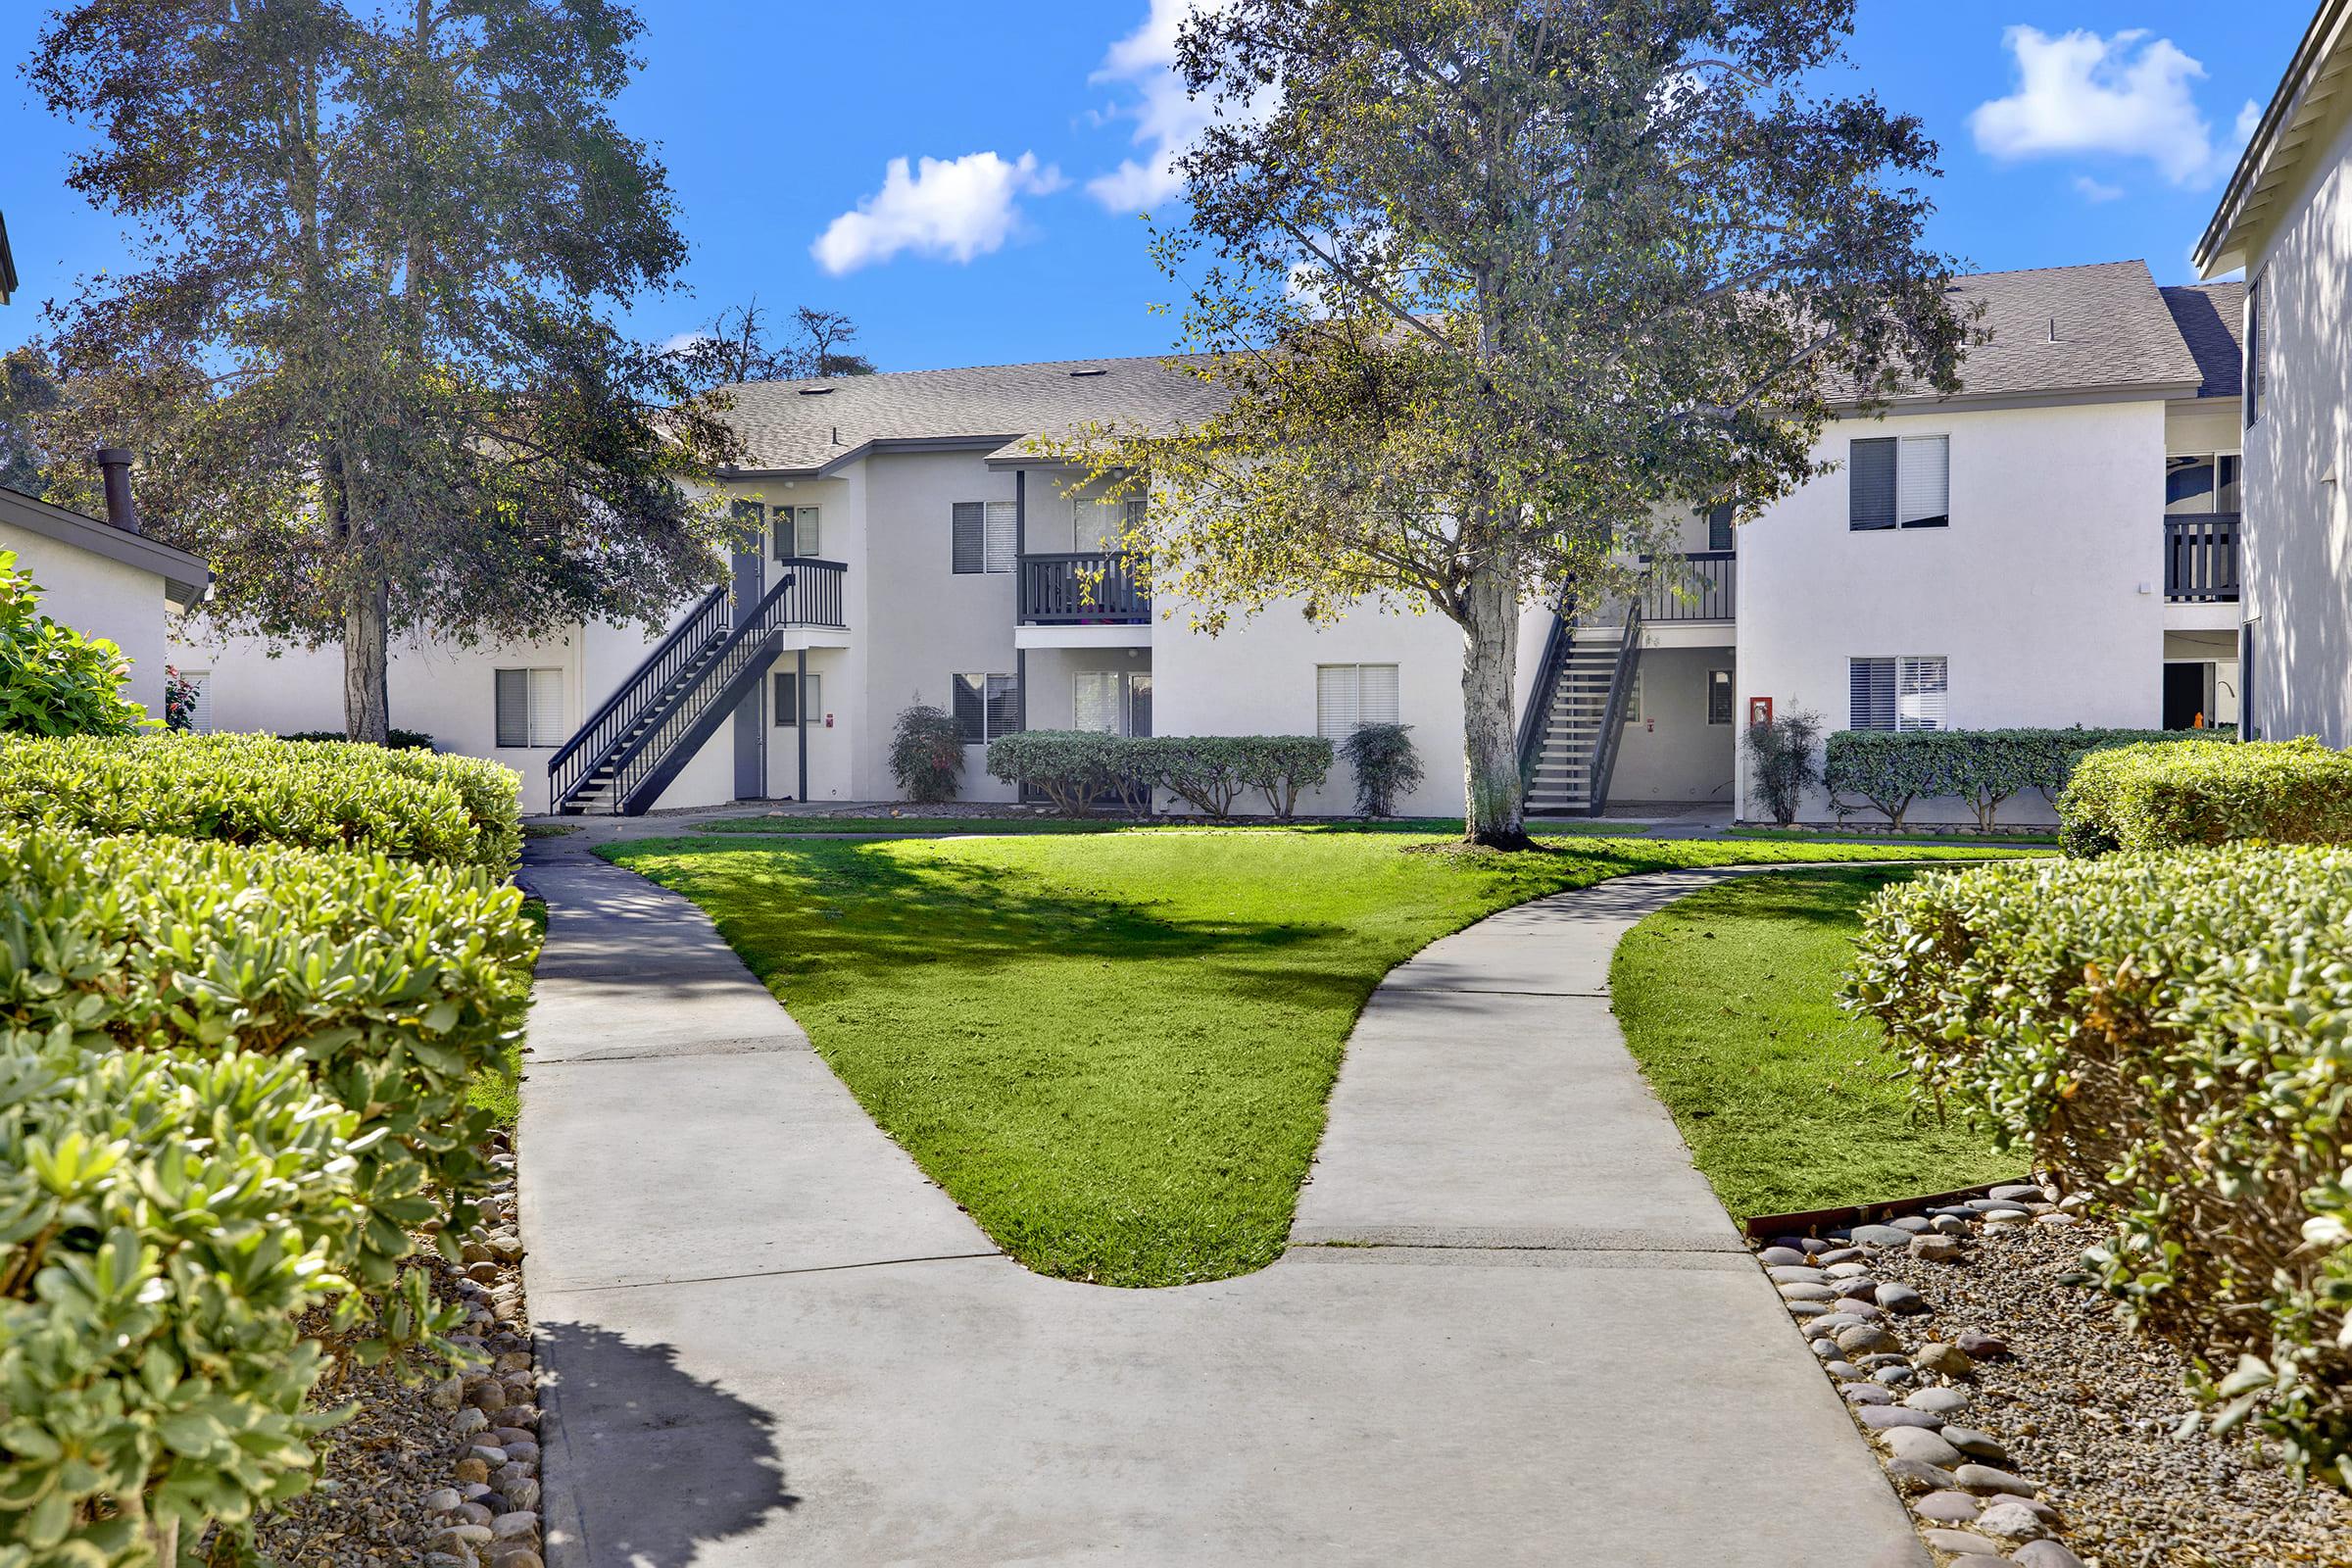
[487,1513]
[1908,1379]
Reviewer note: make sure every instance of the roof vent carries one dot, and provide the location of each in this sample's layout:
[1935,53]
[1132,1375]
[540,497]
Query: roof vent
[114,464]
[2054,329]
[817,391]
[1075,374]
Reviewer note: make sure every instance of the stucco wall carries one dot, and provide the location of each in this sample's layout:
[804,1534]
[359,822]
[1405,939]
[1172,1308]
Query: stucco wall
[101,598]
[2035,593]
[1671,753]
[2298,551]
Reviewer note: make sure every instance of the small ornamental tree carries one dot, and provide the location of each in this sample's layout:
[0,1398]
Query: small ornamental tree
[1780,759]
[54,680]
[1488,293]
[926,754]
[1384,763]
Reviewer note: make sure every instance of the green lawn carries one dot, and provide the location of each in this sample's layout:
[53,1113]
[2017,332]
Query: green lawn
[1728,998]
[799,825]
[498,1089]
[1114,1050]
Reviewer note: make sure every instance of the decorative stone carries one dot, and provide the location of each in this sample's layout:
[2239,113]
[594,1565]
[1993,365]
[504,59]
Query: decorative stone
[511,1361]
[1884,1416]
[1846,1270]
[441,1499]
[2029,1192]
[1895,1376]
[1797,1293]
[1914,1476]
[1910,1224]
[1917,1443]
[1778,1256]
[1936,1249]
[1867,1338]
[1857,1286]
[455,1538]
[1938,1401]
[487,1397]
[523,1494]
[2045,1554]
[1899,1299]
[1944,1361]
[1846,1372]
[1947,1508]
[1948,1225]
[1963,1542]
[1838,1255]
[2011,1523]
[1983,1346]
[520,1525]
[1824,1348]
[514,1555]
[2001,1216]
[525,1452]
[1883,1358]
[1880,1236]
[1977,1444]
[1804,1309]
[2056,1217]
[1983,1480]
[469,1469]
[446,1394]
[1867,1393]
[467,1421]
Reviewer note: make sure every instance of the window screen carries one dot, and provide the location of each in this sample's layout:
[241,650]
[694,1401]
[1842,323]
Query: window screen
[529,707]
[1870,485]
[1351,696]
[1095,700]
[200,711]
[797,532]
[1925,481]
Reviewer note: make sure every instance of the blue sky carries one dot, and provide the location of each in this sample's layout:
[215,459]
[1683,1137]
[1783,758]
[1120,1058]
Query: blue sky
[2070,133]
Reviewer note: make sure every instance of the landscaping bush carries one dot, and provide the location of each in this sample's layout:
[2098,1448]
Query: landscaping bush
[1204,772]
[1279,766]
[2170,1033]
[2210,792]
[169,1216]
[396,740]
[250,789]
[54,680]
[1385,765]
[1073,767]
[926,754]
[1780,756]
[1892,769]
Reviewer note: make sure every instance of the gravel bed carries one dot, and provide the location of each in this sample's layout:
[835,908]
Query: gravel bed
[2018,1416]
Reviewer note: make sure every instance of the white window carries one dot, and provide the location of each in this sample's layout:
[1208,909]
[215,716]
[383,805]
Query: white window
[1899,483]
[531,706]
[986,706]
[2201,484]
[1351,696]
[1907,692]
[2257,372]
[812,700]
[985,535]
[1111,701]
[200,700]
[797,532]
[1103,526]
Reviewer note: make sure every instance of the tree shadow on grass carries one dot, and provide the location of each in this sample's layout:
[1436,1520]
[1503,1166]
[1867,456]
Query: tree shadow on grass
[643,1464]
[1827,898]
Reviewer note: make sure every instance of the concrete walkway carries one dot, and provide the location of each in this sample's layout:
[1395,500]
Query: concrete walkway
[775,1342]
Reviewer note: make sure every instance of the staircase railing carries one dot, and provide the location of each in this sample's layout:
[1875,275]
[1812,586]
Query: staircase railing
[1612,718]
[1535,717]
[578,756]
[647,763]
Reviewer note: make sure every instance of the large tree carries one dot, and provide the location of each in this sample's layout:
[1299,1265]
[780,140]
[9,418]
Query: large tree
[735,347]
[366,355]
[1496,290]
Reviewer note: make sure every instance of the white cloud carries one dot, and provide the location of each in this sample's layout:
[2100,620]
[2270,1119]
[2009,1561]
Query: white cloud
[953,209]
[1167,120]
[2096,190]
[2129,96]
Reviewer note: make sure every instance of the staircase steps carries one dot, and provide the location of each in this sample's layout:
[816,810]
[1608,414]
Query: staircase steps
[1566,747]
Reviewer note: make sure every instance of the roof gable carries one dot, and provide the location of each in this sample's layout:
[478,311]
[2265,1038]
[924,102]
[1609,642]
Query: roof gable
[2299,125]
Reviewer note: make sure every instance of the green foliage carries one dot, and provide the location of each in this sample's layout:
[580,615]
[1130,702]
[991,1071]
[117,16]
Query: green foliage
[1279,766]
[252,789]
[2170,1033]
[1074,768]
[926,754]
[397,740]
[1781,763]
[1385,765]
[1077,769]
[2207,791]
[1891,770]
[54,680]
[168,1216]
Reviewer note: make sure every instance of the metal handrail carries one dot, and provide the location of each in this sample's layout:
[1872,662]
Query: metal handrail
[579,755]
[1612,718]
[1537,715]
[1055,589]
[1714,572]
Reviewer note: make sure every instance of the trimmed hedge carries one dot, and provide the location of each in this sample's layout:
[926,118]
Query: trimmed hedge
[250,789]
[397,740]
[2166,797]
[2172,1033]
[1890,770]
[1076,768]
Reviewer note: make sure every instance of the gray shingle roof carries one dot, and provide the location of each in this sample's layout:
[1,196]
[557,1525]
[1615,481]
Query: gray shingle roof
[2113,330]
[2209,316]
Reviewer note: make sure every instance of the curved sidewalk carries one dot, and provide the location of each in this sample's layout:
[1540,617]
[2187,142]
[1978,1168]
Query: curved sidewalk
[775,1341]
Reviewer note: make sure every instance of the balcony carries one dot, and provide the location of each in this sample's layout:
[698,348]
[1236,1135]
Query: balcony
[2200,558]
[1082,588]
[1708,589]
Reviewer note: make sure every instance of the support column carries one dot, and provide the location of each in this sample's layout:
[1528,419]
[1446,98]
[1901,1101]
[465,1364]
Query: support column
[800,711]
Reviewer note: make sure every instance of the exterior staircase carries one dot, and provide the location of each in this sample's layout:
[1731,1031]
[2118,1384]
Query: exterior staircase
[1575,714]
[621,761]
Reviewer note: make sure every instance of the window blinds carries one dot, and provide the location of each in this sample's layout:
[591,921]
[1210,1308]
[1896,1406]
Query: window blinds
[1351,696]
[529,707]
[986,535]
[1926,482]
[1870,485]
[1903,692]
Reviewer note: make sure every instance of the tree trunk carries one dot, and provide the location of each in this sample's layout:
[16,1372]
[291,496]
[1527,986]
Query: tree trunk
[367,660]
[1493,795]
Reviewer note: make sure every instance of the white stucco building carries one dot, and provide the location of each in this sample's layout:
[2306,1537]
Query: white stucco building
[2056,546]
[2287,218]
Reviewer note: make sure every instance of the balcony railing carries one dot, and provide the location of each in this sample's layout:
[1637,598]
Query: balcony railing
[1082,588]
[1707,591]
[2200,558]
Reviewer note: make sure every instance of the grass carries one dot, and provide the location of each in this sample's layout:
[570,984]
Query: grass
[803,826]
[1114,1050]
[1728,998]
[498,1089]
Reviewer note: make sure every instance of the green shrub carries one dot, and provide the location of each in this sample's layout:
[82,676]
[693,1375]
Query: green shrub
[169,1216]
[926,754]
[54,680]
[1279,766]
[395,981]
[1385,765]
[1204,772]
[2209,792]
[250,789]
[397,740]
[2170,1033]
[1890,770]
[1072,768]
[1780,757]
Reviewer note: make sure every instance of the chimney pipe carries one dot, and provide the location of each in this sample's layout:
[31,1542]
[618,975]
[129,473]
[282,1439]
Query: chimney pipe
[115,463]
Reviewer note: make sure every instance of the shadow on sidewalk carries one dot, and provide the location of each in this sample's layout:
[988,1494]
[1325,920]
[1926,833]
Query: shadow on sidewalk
[650,1464]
